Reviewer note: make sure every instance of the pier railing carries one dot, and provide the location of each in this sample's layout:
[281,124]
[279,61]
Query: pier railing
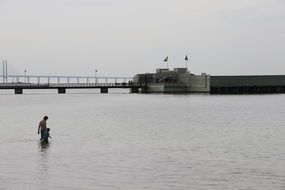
[68,85]
[95,85]
[61,79]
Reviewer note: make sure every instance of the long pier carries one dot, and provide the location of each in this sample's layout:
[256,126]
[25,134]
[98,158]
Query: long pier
[20,82]
[18,87]
[248,84]
[60,79]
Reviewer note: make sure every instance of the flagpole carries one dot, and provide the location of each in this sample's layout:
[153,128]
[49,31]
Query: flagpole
[3,71]
[186,61]
[166,60]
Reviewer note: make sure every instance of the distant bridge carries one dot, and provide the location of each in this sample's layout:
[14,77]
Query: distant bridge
[20,82]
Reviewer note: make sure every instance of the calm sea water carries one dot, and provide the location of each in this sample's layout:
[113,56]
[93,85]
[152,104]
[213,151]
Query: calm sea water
[136,141]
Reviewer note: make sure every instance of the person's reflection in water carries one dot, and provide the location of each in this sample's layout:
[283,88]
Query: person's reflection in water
[42,174]
[44,146]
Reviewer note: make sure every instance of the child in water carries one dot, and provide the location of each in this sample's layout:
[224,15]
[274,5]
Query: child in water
[46,135]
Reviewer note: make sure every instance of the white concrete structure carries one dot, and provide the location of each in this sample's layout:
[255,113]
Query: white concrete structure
[174,81]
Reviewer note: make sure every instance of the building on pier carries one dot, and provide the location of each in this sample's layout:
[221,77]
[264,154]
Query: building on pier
[178,80]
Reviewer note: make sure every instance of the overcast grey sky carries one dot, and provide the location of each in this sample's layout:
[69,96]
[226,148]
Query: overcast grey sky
[125,37]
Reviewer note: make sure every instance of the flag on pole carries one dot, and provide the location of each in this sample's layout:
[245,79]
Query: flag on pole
[166,59]
[186,58]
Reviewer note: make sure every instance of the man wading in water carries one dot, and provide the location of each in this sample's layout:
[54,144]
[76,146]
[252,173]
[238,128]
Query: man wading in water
[43,127]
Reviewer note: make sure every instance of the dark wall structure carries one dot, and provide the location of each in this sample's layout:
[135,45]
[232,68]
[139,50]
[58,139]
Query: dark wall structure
[259,84]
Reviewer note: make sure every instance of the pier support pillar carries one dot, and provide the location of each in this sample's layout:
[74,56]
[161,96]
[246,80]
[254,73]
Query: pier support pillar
[144,89]
[104,90]
[18,91]
[134,90]
[61,90]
